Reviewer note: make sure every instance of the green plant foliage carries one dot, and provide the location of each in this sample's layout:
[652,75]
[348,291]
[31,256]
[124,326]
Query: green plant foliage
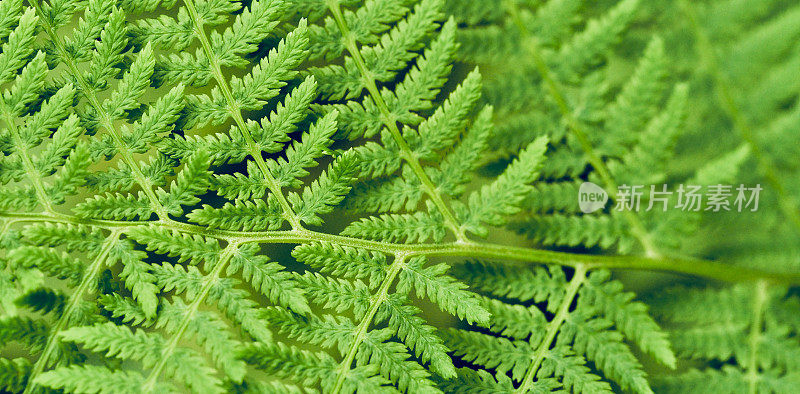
[374,196]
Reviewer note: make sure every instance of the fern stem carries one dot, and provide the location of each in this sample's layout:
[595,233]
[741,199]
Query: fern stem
[377,300]
[759,307]
[512,254]
[695,267]
[88,282]
[105,118]
[189,314]
[27,163]
[406,153]
[552,327]
[236,113]
[725,92]
[6,225]
[637,228]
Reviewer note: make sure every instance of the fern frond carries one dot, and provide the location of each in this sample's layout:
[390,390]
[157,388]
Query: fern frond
[417,335]
[246,216]
[191,181]
[441,289]
[115,207]
[13,373]
[56,264]
[509,189]
[326,191]
[629,316]
[316,196]
[174,244]
[343,261]
[94,379]
[559,347]
[137,276]
[269,278]
[410,228]
[310,368]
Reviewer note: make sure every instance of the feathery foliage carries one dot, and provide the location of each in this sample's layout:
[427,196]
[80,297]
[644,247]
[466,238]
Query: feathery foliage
[369,196]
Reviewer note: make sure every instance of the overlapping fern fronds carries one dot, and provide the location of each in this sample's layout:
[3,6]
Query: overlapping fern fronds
[315,195]
[745,104]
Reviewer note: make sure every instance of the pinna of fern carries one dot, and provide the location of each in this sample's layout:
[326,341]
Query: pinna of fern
[316,199]
[378,359]
[745,100]
[543,355]
[101,249]
[401,197]
[144,281]
[105,31]
[612,141]
[177,319]
[45,178]
[588,130]
[751,331]
[370,357]
[43,163]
